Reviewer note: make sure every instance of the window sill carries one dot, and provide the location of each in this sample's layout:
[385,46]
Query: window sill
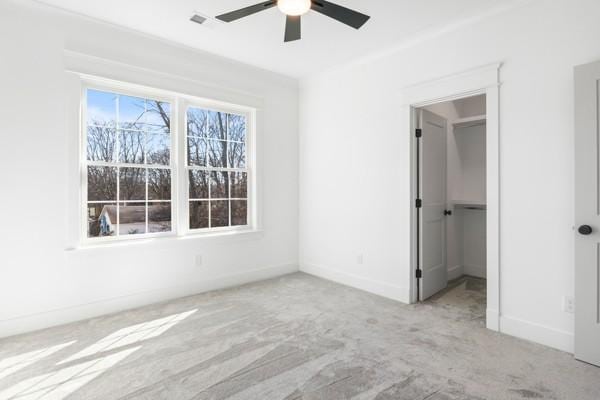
[216,237]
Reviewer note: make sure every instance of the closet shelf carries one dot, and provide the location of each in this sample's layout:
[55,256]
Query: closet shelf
[470,121]
[469,204]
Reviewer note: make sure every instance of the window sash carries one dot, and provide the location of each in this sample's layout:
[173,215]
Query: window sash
[229,199]
[208,169]
[119,201]
[178,166]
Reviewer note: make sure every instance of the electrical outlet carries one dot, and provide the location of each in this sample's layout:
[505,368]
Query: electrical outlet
[198,260]
[569,304]
[360,259]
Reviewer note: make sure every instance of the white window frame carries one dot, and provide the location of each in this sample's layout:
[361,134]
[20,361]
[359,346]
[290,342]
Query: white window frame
[249,170]
[178,163]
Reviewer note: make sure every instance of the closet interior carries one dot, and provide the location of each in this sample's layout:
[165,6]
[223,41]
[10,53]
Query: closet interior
[465,221]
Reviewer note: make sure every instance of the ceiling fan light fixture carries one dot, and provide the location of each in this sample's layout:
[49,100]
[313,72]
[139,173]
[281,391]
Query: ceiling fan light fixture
[294,7]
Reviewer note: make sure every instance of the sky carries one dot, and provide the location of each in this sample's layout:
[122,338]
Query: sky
[103,106]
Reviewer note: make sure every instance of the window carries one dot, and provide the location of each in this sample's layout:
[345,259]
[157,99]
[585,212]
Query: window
[217,173]
[132,161]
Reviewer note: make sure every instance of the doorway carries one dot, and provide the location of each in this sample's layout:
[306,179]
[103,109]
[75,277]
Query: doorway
[484,80]
[451,205]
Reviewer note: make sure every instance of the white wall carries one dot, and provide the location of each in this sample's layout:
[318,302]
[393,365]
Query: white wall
[470,182]
[472,241]
[42,283]
[355,169]
[470,179]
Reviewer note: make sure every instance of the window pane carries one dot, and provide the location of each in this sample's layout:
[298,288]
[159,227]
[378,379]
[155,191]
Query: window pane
[159,184]
[239,212]
[219,185]
[101,144]
[101,108]
[236,128]
[239,185]
[102,183]
[132,218]
[219,214]
[130,130]
[197,120]
[158,117]
[131,147]
[158,148]
[198,184]
[198,214]
[132,184]
[102,219]
[197,152]
[159,217]
[217,125]
[237,155]
[132,112]
[217,151]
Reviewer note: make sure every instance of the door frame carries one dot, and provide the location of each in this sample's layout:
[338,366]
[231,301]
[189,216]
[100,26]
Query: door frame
[482,80]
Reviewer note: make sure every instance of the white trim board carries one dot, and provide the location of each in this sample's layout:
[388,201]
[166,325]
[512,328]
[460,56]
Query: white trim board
[451,87]
[533,332]
[67,315]
[478,271]
[455,272]
[144,78]
[379,288]
[492,319]
[482,80]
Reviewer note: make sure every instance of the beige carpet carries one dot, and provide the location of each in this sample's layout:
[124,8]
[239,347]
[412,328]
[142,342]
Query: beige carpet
[296,337]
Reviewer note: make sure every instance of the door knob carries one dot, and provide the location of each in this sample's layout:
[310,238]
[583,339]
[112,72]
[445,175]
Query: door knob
[585,230]
[447,212]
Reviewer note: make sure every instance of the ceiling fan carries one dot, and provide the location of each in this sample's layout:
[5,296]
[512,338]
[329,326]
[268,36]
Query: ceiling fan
[294,9]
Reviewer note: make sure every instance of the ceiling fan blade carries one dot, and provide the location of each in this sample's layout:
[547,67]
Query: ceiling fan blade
[244,12]
[293,28]
[344,15]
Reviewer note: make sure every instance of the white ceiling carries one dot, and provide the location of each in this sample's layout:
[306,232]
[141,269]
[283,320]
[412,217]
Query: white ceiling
[258,39]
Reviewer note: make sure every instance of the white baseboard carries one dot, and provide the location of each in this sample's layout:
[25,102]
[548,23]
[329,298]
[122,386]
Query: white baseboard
[455,272]
[475,270]
[551,337]
[379,288]
[29,323]
[545,335]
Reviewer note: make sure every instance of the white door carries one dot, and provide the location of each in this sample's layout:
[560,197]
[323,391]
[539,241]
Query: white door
[587,213]
[432,189]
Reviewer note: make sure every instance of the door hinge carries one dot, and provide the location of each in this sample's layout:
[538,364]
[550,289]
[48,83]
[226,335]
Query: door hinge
[419,273]
[418,132]
[419,203]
